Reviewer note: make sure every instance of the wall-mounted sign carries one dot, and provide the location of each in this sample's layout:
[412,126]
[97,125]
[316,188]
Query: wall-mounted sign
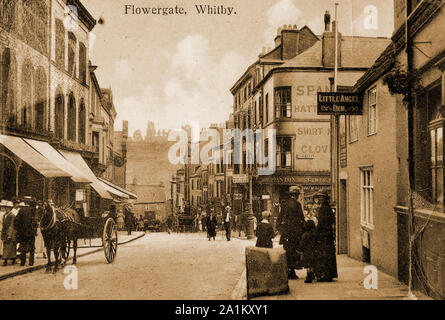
[265,197]
[80,195]
[339,103]
[240,178]
[295,180]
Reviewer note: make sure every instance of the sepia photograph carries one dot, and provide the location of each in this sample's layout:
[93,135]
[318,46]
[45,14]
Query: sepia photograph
[251,152]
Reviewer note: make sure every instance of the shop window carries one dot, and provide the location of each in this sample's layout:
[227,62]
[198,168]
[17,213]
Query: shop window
[59,116]
[353,128]
[71,118]
[372,111]
[284,152]
[283,102]
[367,198]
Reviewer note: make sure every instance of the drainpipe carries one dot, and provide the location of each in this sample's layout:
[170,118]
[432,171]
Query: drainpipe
[410,106]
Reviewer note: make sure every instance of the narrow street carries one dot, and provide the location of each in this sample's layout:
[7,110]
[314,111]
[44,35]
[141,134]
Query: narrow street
[157,266]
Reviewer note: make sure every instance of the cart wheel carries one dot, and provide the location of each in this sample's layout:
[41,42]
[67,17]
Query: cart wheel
[109,240]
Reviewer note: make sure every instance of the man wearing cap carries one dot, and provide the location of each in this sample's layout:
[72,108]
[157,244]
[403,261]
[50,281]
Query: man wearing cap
[228,222]
[291,220]
[26,230]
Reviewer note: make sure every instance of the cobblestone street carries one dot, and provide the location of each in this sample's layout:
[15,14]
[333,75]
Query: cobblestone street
[157,266]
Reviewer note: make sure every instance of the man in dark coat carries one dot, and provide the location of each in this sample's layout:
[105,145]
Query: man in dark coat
[291,221]
[26,228]
[326,263]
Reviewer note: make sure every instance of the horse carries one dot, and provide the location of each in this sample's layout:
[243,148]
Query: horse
[59,227]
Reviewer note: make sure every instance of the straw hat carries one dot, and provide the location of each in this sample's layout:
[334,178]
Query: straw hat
[6,203]
[294,190]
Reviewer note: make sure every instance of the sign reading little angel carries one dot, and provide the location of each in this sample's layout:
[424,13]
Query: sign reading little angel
[339,103]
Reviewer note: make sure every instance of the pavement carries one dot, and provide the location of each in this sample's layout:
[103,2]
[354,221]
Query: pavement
[85,247]
[348,286]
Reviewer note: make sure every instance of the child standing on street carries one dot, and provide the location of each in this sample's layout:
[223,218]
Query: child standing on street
[308,245]
[265,232]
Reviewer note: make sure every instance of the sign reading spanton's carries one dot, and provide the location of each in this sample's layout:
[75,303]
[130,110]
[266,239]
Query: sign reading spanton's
[339,103]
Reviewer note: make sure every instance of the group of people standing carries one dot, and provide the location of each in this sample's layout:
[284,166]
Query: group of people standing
[19,224]
[307,244]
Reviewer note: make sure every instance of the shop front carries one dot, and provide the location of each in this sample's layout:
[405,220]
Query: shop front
[275,187]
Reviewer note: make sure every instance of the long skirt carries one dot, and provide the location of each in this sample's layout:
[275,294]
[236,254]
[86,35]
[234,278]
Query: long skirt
[326,262]
[211,232]
[40,245]
[9,249]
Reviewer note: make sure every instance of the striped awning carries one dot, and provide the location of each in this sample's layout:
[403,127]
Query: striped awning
[32,157]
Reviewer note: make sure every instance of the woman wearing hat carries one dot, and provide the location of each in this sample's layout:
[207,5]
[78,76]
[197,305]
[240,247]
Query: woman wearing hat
[9,235]
[326,263]
[3,210]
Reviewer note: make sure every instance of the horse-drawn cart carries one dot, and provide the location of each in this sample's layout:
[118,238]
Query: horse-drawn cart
[63,227]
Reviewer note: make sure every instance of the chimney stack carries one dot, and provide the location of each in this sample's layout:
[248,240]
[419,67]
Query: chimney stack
[327,21]
[328,43]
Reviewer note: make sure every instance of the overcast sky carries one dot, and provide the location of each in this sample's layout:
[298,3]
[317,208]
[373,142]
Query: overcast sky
[176,69]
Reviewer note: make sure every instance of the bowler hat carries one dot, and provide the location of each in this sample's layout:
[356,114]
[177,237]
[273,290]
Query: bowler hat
[294,190]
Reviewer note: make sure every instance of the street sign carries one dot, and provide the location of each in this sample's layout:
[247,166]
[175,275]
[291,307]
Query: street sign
[339,103]
[240,178]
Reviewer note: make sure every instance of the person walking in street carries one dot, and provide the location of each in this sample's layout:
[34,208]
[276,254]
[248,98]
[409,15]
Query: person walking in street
[9,235]
[265,232]
[204,218]
[128,219]
[211,224]
[170,221]
[308,247]
[292,226]
[326,264]
[228,222]
[25,225]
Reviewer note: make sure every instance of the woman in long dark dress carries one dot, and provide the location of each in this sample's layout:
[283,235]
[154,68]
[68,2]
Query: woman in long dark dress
[326,263]
[211,224]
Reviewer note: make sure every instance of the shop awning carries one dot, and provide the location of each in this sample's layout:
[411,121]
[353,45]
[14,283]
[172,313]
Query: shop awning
[77,160]
[113,190]
[33,158]
[58,160]
[130,194]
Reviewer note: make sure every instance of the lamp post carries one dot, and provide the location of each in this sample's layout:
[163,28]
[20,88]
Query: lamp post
[250,218]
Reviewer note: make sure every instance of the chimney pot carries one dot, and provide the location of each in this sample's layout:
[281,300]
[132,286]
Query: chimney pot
[327,21]
[295,27]
[279,31]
